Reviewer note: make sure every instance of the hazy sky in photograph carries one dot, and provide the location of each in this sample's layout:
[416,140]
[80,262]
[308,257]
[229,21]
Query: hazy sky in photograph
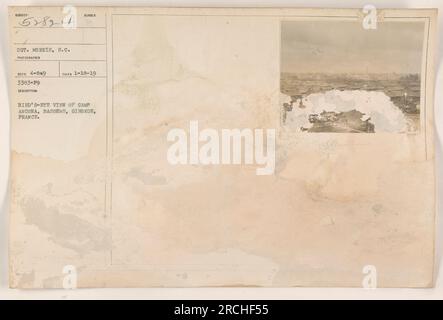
[346,47]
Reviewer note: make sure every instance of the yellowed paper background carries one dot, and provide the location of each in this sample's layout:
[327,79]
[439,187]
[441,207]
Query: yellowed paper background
[95,191]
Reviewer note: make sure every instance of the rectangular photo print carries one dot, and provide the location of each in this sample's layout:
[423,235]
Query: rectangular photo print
[337,76]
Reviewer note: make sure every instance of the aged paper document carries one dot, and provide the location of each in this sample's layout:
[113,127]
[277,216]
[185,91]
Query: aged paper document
[187,147]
